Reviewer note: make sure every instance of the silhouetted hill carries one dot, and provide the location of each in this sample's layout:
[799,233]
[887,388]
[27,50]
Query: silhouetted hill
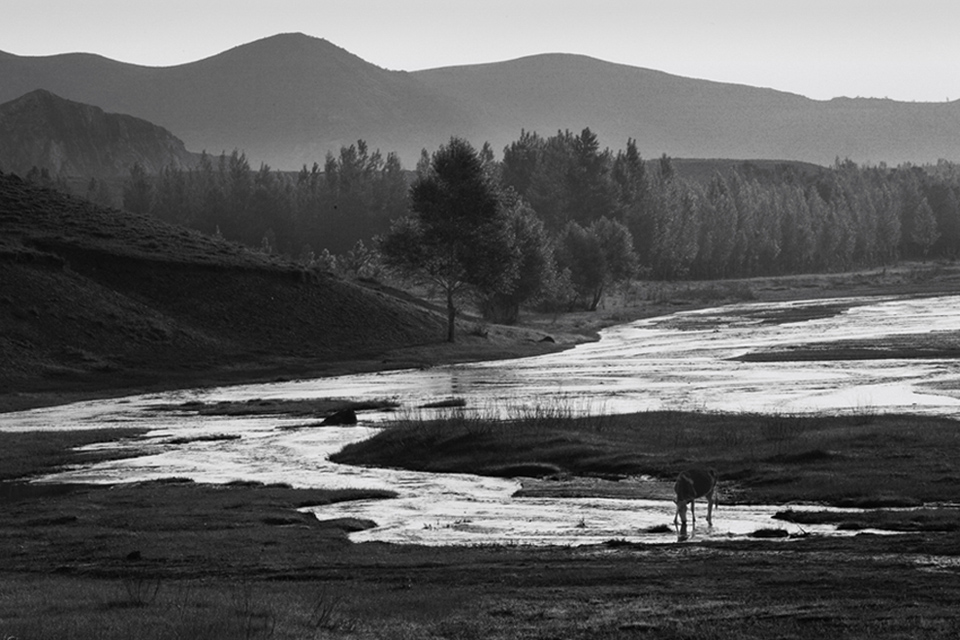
[289,99]
[692,118]
[284,100]
[42,130]
[94,298]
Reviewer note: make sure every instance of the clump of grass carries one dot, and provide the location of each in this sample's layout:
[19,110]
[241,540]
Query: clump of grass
[769,458]
[544,440]
[141,590]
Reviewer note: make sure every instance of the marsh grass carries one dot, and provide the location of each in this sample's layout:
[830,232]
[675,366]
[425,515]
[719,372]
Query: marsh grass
[855,459]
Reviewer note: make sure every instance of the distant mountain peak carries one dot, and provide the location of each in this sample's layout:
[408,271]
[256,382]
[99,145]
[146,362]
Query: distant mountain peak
[291,98]
[294,44]
[42,97]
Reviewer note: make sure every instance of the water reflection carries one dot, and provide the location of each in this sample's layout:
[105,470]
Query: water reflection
[682,361]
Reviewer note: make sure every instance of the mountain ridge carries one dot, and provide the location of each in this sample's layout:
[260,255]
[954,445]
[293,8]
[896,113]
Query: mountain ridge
[43,130]
[289,99]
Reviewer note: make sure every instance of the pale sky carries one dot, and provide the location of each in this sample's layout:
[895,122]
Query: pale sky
[898,49]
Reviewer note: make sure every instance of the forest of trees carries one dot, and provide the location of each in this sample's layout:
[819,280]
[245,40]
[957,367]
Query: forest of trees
[604,215]
[353,196]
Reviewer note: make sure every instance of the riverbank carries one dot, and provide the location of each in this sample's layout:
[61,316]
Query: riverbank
[536,334]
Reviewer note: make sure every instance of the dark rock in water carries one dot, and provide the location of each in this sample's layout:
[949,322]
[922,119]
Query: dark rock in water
[344,416]
[449,403]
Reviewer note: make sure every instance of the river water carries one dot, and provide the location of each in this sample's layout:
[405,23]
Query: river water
[680,361]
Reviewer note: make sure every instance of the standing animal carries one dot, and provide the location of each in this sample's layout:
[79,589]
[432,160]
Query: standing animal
[696,482]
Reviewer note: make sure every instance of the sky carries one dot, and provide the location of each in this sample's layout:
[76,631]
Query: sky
[821,49]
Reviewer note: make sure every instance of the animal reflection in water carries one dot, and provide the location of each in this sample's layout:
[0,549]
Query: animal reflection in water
[697,482]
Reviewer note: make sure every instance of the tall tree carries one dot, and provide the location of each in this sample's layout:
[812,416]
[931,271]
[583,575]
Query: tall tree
[520,161]
[458,235]
[591,192]
[536,268]
[924,232]
[596,257]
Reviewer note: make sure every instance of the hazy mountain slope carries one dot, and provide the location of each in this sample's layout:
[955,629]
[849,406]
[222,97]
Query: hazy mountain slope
[290,99]
[73,139]
[285,100]
[692,118]
[94,298]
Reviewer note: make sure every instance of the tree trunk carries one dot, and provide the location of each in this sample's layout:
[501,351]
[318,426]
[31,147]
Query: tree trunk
[451,317]
[597,296]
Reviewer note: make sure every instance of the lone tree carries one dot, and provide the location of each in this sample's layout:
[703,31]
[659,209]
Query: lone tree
[457,236]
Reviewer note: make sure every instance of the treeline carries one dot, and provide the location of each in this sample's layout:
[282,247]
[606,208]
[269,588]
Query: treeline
[736,224]
[739,225]
[353,196]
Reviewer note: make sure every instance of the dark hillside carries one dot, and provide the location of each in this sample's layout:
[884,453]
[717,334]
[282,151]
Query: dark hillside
[94,298]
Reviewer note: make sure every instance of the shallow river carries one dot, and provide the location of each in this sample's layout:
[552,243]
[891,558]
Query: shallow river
[681,361]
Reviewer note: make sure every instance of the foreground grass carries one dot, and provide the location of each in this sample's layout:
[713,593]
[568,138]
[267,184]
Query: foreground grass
[861,460]
[176,559]
[618,593]
[148,608]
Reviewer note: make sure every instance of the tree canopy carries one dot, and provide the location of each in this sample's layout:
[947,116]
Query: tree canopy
[736,219]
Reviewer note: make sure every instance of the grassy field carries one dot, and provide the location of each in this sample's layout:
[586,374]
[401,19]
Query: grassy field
[176,559]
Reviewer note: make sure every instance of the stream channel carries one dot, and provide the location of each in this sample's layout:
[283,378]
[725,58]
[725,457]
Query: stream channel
[680,361]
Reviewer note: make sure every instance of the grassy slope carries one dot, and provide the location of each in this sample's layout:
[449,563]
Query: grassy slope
[94,298]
